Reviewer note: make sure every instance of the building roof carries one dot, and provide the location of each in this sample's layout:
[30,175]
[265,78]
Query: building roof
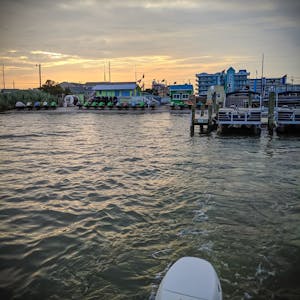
[4,91]
[181,87]
[109,86]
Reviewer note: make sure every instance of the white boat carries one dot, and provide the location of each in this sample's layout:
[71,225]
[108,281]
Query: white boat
[190,278]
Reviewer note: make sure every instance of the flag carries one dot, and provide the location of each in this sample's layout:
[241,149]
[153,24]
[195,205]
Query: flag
[143,75]
[163,80]
[283,79]
[174,82]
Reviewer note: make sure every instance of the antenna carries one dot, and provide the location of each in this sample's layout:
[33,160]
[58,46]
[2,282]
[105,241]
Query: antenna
[262,79]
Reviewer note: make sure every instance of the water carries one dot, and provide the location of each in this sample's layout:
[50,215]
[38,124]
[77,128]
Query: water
[99,206]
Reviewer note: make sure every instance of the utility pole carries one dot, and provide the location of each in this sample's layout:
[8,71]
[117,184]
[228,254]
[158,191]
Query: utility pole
[3,77]
[109,71]
[40,73]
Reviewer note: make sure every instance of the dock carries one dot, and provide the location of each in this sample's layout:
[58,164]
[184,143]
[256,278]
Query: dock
[246,116]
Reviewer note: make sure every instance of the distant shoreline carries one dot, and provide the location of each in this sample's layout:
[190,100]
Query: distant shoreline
[158,109]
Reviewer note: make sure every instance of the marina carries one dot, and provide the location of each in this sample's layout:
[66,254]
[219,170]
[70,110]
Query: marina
[246,114]
[150,150]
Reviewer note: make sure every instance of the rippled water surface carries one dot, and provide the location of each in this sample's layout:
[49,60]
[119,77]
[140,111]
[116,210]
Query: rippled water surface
[98,207]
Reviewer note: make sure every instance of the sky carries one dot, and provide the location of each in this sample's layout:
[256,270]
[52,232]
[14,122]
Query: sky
[77,40]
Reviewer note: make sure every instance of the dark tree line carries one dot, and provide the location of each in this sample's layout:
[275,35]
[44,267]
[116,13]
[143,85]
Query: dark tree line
[54,88]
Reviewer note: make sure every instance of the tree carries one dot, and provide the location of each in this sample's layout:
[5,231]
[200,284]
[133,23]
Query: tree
[52,88]
[68,91]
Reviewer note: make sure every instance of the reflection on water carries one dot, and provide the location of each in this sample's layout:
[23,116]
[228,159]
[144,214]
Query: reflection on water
[99,206]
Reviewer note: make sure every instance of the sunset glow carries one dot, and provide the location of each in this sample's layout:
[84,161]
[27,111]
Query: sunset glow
[172,40]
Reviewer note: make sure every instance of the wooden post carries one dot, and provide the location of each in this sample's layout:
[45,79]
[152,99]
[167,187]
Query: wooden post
[202,109]
[271,112]
[217,109]
[249,99]
[214,99]
[210,111]
[192,128]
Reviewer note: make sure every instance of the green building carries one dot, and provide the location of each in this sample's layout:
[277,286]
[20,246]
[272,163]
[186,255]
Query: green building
[117,89]
[180,93]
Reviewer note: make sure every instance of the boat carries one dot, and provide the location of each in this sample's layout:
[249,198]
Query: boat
[287,119]
[20,105]
[29,105]
[45,105]
[240,112]
[53,105]
[190,278]
[287,112]
[37,105]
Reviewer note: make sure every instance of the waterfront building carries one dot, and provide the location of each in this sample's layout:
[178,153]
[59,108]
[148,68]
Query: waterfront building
[231,80]
[117,89]
[160,88]
[280,84]
[73,87]
[240,80]
[205,81]
[180,93]
[8,91]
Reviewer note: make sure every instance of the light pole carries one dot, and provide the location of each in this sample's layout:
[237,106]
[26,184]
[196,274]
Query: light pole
[40,74]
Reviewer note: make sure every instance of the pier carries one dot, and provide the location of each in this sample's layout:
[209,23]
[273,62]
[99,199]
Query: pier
[246,115]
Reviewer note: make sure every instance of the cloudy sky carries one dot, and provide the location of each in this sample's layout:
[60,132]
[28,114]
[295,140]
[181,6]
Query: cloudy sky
[173,40]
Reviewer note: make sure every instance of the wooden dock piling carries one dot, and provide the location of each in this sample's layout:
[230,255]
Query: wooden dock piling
[271,123]
[202,120]
[192,128]
[210,123]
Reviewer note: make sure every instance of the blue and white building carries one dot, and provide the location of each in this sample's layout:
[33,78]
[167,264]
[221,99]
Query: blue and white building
[231,81]
[204,81]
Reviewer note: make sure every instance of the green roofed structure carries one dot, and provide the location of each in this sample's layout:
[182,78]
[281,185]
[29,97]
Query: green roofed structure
[117,89]
[180,93]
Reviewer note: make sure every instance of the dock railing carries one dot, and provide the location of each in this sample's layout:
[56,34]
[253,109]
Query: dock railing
[287,116]
[239,116]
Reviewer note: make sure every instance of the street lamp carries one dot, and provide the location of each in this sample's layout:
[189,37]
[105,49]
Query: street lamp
[40,74]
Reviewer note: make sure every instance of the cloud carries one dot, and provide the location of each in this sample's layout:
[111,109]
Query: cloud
[191,34]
